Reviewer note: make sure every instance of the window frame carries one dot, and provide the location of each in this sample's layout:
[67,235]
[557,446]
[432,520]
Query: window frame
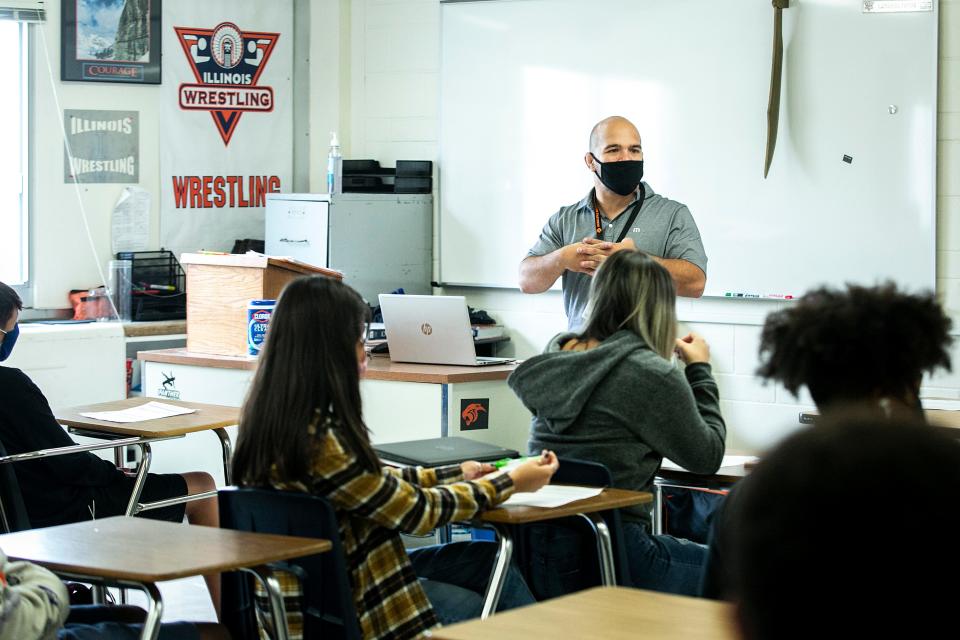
[25,289]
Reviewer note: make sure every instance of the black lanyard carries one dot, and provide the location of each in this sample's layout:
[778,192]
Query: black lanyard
[635,210]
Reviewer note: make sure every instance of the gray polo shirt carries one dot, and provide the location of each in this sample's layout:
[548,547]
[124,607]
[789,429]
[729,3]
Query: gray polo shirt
[663,228]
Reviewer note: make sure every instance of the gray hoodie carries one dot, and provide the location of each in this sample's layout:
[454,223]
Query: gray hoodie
[624,405]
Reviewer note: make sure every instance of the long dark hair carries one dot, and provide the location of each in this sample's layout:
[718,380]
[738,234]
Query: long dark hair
[631,291]
[308,365]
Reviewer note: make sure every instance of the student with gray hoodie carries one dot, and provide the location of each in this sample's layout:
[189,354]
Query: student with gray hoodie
[612,394]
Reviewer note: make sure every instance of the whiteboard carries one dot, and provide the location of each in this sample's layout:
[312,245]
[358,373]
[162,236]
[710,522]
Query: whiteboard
[523,82]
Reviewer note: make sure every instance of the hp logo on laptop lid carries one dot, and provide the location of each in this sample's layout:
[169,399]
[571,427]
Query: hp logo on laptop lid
[426,329]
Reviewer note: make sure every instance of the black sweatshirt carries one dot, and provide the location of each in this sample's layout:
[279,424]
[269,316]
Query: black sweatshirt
[58,489]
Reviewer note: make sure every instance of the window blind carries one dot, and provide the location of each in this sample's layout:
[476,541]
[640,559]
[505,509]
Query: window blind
[22,10]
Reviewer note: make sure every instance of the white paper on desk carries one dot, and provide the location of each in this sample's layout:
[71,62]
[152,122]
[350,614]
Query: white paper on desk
[943,404]
[148,411]
[552,495]
[728,461]
[130,223]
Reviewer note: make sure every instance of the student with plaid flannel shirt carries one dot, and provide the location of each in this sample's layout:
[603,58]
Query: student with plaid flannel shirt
[301,428]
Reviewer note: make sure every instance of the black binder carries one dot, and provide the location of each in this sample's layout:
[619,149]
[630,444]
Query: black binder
[437,452]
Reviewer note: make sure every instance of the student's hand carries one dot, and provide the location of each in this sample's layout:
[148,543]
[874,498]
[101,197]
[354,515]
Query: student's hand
[533,474]
[473,469]
[693,348]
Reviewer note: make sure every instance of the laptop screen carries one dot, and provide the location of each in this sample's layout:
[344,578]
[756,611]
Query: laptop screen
[428,329]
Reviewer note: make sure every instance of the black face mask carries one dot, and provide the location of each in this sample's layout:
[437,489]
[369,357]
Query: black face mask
[621,177]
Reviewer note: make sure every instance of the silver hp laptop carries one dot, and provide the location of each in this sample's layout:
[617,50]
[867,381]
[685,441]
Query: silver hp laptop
[431,330]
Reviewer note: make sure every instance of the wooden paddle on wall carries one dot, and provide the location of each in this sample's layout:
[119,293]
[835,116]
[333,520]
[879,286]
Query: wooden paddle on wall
[776,71]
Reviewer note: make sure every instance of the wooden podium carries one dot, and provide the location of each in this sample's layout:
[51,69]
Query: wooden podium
[219,288]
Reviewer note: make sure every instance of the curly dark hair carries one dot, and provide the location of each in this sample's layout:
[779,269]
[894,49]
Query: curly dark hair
[854,344]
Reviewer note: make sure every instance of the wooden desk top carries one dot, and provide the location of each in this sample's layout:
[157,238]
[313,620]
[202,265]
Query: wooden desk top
[379,368]
[194,359]
[616,613]
[155,328]
[936,417]
[724,475]
[386,369]
[609,499]
[151,550]
[207,416]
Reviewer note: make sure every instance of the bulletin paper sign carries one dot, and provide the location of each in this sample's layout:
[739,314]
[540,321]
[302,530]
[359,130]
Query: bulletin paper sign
[226,120]
[104,146]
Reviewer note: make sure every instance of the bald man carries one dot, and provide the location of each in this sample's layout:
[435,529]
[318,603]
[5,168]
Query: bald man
[621,211]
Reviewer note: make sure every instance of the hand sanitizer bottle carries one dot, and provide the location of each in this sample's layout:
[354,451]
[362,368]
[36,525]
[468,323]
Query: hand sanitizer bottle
[334,166]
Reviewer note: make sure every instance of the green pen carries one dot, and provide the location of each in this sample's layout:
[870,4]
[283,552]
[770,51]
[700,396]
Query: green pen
[500,464]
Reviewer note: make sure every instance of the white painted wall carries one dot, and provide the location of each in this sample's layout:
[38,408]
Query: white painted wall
[375,78]
[62,259]
[395,62]
[330,68]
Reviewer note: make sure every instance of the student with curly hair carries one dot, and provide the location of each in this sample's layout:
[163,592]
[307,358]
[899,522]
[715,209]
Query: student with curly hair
[863,346]
[829,527]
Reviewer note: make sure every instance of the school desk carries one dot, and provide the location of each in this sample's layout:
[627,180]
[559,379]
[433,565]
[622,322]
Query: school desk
[400,401]
[505,517]
[138,553]
[615,613]
[722,479]
[206,417]
[942,418]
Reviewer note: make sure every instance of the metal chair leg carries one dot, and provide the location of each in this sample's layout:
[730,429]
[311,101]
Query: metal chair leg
[227,449]
[499,575]
[278,611]
[608,569]
[657,508]
[151,626]
[133,504]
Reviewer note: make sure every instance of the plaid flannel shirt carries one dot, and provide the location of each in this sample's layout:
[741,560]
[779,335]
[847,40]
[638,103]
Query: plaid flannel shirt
[374,508]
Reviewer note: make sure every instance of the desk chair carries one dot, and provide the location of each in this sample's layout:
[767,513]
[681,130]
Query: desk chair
[328,610]
[13,517]
[583,473]
[13,513]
